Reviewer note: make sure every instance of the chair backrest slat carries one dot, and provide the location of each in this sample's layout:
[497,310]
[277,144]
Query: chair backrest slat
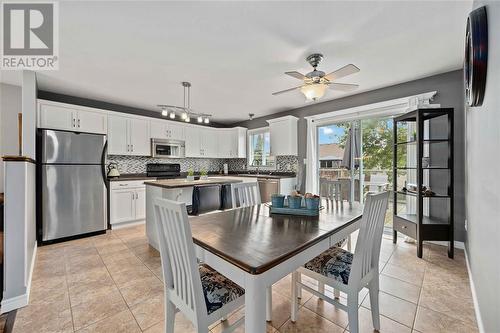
[245,194]
[367,252]
[180,267]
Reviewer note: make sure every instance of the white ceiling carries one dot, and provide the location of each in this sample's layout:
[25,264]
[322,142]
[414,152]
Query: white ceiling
[235,53]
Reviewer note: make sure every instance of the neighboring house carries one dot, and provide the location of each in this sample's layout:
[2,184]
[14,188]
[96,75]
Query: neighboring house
[330,155]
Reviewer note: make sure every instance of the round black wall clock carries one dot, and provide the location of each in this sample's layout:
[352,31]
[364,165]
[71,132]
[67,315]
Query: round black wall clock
[476,56]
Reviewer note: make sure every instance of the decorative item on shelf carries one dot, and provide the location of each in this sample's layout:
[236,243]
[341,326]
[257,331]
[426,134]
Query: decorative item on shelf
[203,174]
[426,192]
[476,56]
[426,162]
[185,111]
[190,175]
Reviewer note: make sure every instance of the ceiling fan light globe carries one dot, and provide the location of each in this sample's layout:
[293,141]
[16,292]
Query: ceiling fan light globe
[313,92]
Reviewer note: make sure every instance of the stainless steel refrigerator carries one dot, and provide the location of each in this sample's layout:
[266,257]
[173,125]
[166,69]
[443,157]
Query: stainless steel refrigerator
[73,189]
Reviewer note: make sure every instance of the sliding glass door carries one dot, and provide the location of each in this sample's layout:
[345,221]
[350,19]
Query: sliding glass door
[358,155]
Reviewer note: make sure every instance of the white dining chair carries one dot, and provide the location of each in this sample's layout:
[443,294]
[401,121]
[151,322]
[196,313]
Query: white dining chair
[350,272]
[202,294]
[245,194]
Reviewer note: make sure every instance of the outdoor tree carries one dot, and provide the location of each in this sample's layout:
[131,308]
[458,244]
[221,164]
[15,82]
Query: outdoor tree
[378,143]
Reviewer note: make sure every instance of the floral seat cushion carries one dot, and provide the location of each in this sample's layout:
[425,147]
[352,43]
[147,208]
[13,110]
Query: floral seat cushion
[334,263]
[217,289]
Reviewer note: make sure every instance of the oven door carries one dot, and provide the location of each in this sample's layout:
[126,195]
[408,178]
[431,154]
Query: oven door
[168,149]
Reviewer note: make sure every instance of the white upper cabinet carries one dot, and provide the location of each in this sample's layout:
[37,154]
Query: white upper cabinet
[209,142]
[139,137]
[283,134]
[131,135]
[161,129]
[118,143]
[53,115]
[128,136]
[175,131]
[193,147]
[232,142]
[201,142]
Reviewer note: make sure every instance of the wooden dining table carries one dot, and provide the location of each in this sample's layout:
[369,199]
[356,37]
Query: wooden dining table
[256,249]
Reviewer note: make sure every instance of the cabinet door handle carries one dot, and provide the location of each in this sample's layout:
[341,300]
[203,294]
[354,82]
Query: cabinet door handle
[131,147]
[136,195]
[78,122]
[133,197]
[74,122]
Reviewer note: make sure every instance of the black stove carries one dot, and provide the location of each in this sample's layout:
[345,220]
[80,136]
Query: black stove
[163,170]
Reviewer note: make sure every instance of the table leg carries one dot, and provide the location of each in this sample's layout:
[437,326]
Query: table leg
[255,304]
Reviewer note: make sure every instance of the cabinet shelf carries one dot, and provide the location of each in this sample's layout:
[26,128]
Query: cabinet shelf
[425,219]
[413,194]
[427,168]
[424,141]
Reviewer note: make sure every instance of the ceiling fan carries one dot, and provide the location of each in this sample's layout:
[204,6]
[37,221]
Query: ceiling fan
[316,82]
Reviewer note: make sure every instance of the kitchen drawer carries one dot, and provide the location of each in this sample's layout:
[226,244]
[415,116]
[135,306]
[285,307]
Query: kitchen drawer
[119,185]
[405,227]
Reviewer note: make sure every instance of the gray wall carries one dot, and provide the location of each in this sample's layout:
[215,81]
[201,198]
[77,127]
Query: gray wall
[483,183]
[450,94]
[10,107]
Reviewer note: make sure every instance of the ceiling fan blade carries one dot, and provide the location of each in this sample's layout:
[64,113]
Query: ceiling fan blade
[296,75]
[342,72]
[286,90]
[343,86]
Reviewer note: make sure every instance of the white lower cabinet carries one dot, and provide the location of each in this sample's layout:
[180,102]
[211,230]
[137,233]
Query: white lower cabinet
[127,203]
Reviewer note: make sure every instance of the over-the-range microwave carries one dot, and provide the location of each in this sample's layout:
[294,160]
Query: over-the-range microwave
[161,148]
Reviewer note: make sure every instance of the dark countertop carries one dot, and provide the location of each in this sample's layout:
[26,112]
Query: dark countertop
[143,176]
[130,176]
[176,183]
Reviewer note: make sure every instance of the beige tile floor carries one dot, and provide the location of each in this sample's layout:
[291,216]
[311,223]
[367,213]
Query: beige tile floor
[112,283]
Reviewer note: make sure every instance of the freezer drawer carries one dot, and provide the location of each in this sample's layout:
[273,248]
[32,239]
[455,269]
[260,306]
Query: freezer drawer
[71,148]
[73,200]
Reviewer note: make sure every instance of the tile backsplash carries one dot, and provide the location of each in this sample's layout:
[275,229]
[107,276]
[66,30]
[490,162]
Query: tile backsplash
[137,164]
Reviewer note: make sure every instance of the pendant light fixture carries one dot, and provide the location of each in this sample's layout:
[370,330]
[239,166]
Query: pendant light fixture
[185,111]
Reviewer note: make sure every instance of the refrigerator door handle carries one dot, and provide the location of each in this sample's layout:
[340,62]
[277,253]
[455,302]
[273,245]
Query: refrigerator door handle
[103,163]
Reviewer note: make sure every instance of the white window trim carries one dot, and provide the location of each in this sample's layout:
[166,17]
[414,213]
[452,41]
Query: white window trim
[249,149]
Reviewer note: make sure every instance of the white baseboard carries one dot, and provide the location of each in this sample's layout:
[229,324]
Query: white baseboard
[127,224]
[20,301]
[458,245]
[14,303]
[479,319]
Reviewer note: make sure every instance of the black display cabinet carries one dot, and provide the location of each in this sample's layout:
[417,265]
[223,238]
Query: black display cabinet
[423,176]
